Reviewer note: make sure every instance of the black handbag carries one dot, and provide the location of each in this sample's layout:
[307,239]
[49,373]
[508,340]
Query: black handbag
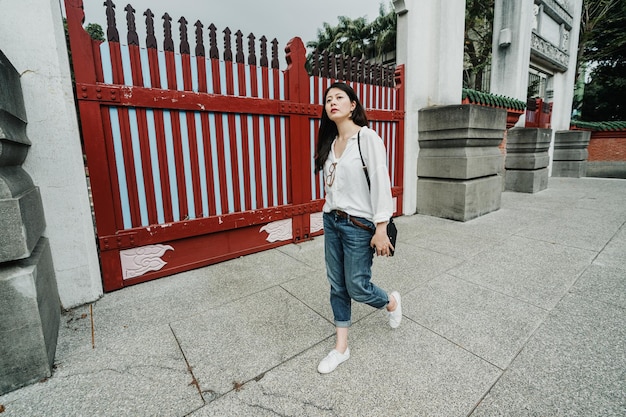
[392,231]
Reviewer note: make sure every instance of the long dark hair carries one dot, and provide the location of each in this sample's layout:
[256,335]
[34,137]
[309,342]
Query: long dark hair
[328,129]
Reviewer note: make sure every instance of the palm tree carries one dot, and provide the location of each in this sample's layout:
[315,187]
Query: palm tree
[357,37]
[384,29]
[327,38]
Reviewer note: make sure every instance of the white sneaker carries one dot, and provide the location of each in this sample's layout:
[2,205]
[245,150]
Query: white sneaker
[332,361]
[395,316]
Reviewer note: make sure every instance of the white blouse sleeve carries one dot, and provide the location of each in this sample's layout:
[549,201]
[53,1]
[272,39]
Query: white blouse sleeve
[375,156]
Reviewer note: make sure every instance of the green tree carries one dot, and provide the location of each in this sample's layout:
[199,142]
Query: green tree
[384,32]
[95,31]
[377,40]
[602,51]
[605,95]
[357,37]
[478,36]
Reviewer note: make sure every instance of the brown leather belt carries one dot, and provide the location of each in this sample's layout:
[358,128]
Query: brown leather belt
[354,221]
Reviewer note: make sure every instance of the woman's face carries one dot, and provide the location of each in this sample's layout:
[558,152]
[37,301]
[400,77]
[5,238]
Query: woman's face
[338,105]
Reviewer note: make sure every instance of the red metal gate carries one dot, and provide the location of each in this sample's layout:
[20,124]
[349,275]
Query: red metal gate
[194,160]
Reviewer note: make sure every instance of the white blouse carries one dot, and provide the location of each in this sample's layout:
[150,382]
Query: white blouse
[349,191]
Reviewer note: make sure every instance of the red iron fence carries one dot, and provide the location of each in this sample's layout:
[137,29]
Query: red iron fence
[196,158]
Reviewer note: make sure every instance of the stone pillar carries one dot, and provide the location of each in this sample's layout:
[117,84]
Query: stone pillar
[459,161]
[429,43]
[564,82]
[29,300]
[570,153]
[32,37]
[527,159]
[512,26]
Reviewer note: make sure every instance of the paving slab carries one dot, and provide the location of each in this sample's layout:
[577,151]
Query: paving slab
[408,371]
[314,292]
[456,243]
[614,253]
[580,228]
[536,272]
[603,283]
[141,373]
[491,325]
[573,366]
[311,254]
[242,340]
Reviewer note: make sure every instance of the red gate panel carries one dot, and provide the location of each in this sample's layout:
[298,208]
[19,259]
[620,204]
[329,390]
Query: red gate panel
[195,159]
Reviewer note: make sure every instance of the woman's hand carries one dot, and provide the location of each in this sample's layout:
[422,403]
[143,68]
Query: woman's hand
[380,240]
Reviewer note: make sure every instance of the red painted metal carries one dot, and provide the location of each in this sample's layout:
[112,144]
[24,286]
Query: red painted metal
[297,86]
[399,77]
[208,161]
[257,108]
[538,113]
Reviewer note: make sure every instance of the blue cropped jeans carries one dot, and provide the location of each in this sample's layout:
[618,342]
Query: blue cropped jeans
[349,266]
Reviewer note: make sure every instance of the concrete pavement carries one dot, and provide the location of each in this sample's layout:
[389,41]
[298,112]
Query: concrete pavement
[521,312]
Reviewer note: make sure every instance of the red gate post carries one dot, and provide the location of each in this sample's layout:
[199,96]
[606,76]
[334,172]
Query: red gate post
[297,91]
[398,191]
[85,54]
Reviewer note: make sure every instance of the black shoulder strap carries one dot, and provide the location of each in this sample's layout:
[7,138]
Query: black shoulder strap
[367,176]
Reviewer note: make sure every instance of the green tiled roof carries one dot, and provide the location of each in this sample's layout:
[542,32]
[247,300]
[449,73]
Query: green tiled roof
[495,100]
[599,126]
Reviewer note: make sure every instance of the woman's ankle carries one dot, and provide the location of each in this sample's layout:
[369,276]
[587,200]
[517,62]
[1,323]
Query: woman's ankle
[341,349]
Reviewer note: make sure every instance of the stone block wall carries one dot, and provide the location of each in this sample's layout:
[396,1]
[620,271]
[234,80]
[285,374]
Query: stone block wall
[29,300]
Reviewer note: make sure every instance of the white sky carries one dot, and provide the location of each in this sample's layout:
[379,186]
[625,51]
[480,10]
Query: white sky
[280,19]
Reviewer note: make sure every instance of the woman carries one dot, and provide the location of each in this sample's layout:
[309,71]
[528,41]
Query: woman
[355,216]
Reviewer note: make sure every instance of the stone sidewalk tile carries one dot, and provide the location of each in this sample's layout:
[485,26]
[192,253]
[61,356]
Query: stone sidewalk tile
[242,340]
[492,325]
[409,371]
[141,373]
[573,366]
[536,272]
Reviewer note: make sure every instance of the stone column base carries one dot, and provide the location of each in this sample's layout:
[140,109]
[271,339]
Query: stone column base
[570,153]
[573,169]
[526,181]
[459,200]
[30,314]
[459,161]
[527,160]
